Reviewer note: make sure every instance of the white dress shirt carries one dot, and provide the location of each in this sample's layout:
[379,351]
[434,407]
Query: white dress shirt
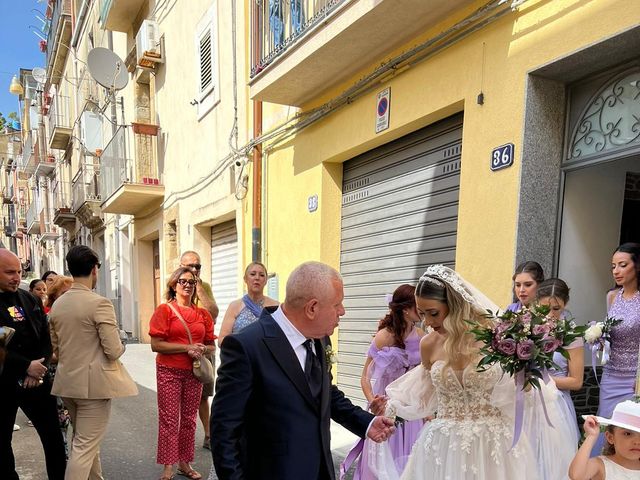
[295,338]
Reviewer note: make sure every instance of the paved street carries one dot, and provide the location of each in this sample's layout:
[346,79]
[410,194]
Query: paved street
[130,445]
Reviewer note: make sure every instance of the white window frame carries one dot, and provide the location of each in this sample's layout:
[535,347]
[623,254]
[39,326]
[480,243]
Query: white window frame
[210,96]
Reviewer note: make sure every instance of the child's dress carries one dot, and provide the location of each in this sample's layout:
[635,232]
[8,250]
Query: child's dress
[613,471]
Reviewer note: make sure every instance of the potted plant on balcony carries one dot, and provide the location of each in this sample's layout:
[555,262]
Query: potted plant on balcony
[51,158]
[145,128]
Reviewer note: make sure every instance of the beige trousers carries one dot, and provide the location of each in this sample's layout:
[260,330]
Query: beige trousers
[89,419]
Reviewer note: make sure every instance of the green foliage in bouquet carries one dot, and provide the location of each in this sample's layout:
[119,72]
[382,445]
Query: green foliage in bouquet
[524,342]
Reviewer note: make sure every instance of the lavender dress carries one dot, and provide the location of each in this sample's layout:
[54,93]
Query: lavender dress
[390,363]
[563,371]
[619,374]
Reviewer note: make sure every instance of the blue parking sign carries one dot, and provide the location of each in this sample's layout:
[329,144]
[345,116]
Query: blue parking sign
[502,157]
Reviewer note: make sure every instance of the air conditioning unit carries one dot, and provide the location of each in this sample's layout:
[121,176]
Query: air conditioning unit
[148,45]
[91,132]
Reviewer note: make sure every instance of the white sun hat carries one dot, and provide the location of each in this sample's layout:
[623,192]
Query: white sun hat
[625,415]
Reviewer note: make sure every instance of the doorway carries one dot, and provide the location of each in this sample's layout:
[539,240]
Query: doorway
[601,208]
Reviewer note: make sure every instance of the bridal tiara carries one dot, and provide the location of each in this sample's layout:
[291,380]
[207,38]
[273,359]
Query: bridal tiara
[437,274]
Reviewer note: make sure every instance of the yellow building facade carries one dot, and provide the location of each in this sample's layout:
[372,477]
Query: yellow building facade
[461,80]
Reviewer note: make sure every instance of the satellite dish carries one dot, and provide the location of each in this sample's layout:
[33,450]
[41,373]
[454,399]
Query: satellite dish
[107,68]
[39,74]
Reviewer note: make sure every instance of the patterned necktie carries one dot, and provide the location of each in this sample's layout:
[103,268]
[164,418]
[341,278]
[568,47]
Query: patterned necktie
[313,370]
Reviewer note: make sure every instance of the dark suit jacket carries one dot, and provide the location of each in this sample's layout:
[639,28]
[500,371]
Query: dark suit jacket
[265,424]
[19,354]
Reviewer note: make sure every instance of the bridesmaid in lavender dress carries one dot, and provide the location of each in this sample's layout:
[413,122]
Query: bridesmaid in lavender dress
[394,351]
[554,293]
[619,373]
[526,278]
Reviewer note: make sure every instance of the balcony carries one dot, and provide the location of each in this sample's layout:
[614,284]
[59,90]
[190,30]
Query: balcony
[127,186]
[21,215]
[59,119]
[7,195]
[49,231]
[46,166]
[86,196]
[119,15]
[58,39]
[33,217]
[304,47]
[25,165]
[62,214]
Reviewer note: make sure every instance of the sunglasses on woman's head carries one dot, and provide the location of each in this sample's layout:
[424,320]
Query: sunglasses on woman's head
[184,282]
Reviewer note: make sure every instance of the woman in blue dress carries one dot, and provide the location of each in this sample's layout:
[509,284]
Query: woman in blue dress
[246,310]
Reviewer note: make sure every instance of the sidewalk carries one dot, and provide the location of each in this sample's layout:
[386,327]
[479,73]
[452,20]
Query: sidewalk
[140,362]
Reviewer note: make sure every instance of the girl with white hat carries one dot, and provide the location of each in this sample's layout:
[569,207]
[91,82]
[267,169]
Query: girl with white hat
[620,459]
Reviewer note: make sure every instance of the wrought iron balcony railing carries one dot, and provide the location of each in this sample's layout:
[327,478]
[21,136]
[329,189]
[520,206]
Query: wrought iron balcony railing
[59,122]
[280,23]
[86,186]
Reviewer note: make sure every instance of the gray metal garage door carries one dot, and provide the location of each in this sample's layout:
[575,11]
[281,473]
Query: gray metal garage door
[224,266]
[399,214]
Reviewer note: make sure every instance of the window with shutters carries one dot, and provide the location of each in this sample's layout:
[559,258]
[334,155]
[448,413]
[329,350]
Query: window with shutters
[206,47]
[206,62]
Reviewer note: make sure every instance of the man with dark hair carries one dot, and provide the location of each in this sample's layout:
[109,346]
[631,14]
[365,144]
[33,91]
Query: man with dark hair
[85,337]
[81,262]
[24,381]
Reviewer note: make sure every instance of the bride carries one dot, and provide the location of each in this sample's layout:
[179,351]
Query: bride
[470,425]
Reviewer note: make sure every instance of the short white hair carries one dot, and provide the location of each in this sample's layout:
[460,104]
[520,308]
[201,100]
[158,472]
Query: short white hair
[310,280]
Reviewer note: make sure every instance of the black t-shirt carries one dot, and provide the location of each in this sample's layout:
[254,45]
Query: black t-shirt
[25,340]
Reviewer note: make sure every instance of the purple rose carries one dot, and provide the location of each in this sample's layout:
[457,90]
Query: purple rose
[526,318]
[507,346]
[541,329]
[525,349]
[550,345]
[500,328]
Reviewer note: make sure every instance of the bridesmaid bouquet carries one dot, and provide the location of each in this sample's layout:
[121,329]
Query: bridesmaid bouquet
[523,343]
[598,337]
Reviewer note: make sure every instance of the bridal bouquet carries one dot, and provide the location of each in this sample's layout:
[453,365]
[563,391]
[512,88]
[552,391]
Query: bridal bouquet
[523,343]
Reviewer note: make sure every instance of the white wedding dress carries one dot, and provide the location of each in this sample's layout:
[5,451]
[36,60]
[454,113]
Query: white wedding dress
[471,436]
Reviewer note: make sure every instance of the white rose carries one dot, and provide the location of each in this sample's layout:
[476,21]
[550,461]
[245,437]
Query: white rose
[593,333]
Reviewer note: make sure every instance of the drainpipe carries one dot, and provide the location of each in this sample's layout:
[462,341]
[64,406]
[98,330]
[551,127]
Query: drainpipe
[256,231]
[114,129]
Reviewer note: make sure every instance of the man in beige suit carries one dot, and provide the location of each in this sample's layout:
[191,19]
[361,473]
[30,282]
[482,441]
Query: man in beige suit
[86,340]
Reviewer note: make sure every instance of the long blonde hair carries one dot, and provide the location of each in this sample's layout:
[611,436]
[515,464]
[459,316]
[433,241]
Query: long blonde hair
[459,343]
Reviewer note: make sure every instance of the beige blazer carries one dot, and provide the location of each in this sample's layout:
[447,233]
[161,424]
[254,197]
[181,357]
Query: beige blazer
[85,338]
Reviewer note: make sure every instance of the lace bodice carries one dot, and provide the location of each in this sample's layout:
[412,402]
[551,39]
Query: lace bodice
[467,394]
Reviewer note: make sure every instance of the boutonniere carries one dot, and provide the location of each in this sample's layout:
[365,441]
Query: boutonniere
[330,356]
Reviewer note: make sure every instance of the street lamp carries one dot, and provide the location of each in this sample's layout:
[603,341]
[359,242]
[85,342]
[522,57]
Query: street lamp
[16,87]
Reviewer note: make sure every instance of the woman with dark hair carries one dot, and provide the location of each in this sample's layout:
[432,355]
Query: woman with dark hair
[48,277]
[179,391]
[394,351]
[623,303]
[569,375]
[246,310]
[526,278]
[39,288]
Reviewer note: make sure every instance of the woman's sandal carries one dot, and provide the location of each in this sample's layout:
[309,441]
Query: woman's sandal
[191,474]
[165,477]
